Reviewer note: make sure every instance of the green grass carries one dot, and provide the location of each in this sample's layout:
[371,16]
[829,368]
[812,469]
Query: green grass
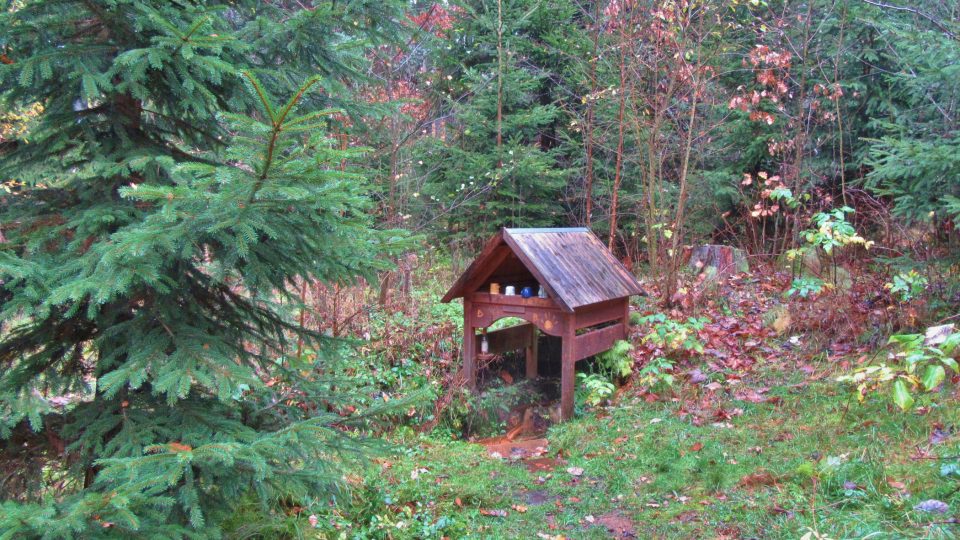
[774,471]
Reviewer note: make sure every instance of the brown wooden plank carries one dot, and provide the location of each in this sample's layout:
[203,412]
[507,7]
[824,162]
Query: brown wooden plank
[469,347]
[568,377]
[602,312]
[516,300]
[597,341]
[551,320]
[507,339]
[532,353]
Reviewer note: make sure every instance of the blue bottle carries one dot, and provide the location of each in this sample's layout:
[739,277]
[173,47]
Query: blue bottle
[526,292]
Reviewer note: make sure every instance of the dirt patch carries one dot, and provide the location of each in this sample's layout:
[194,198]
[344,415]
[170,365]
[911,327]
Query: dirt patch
[544,464]
[618,525]
[757,479]
[539,496]
[519,449]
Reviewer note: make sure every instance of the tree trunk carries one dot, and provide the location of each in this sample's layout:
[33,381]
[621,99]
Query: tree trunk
[619,165]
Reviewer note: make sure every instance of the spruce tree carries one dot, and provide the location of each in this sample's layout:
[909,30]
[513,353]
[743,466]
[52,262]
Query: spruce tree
[501,166]
[156,215]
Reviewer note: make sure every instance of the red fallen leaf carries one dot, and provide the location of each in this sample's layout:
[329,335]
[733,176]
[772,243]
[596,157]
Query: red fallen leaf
[759,478]
[494,513]
[900,486]
[620,440]
[777,509]
[506,376]
[519,508]
[573,500]
[698,446]
[722,414]
[458,502]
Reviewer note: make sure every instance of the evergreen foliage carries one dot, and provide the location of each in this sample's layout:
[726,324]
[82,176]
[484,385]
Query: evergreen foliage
[160,210]
[915,157]
[478,184]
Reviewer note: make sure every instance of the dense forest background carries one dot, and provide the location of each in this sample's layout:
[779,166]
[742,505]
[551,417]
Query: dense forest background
[225,225]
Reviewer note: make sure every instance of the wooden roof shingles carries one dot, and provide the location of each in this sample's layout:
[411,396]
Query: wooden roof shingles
[571,263]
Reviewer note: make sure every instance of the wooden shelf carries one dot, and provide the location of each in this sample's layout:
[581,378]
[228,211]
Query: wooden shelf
[504,300]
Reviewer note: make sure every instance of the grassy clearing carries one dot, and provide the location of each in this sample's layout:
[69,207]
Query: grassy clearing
[700,464]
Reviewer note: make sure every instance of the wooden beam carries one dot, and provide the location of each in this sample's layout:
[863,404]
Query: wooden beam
[486,269]
[597,341]
[532,353]
[515,300]
[456,291]
[567,370]
[600,313]
[469,346]
[507,339]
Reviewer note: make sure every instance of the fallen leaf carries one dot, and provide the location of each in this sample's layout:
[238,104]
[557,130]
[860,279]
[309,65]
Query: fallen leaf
[900,486]
[493,513]
[758,478]
[519,508]
[575,471]
[698,446]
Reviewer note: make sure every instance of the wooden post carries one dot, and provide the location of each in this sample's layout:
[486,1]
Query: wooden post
[567,368]
[469,346]
[532,354]
[626,319]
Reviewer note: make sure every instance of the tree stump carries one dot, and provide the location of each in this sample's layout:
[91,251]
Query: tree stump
[725,260]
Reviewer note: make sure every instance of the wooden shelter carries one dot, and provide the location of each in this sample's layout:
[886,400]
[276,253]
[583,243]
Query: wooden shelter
[586,305]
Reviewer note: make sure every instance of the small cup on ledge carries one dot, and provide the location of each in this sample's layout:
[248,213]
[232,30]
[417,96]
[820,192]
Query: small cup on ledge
[510,290]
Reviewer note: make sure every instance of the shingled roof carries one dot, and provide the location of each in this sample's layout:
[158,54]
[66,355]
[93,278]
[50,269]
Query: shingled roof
[572,264]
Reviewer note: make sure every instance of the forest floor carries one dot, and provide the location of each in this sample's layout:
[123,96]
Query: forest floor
[801,458]
[762,442]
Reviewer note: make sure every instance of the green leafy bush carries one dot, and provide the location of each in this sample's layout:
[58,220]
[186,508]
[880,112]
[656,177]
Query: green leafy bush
[617,361]
[805,286]
[674,335]
[907,285]
[656,372]
[919,368]
[594,388]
